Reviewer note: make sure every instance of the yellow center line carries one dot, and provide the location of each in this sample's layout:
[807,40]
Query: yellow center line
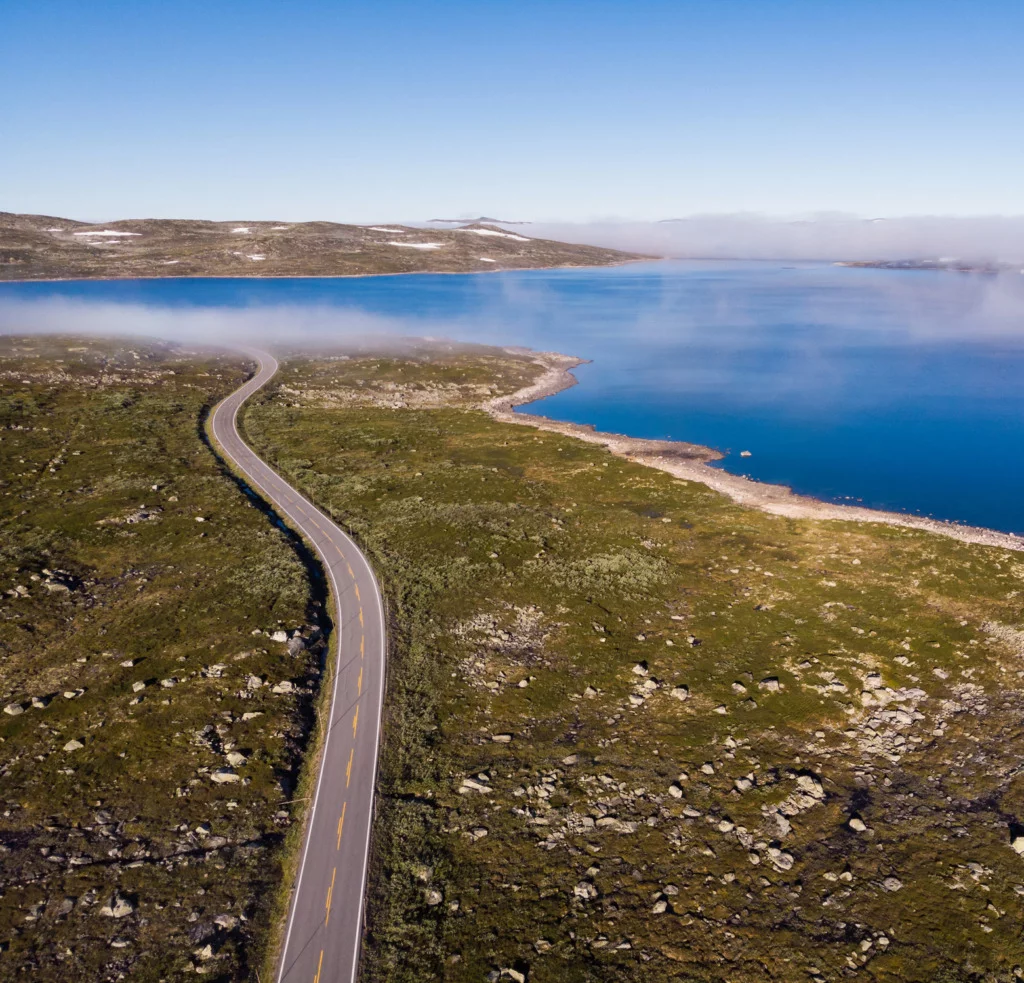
[341,823]
[355,722]
[320,965]
[360,681]
[360,617]
[358,598]
[348,770]
[351,572]
[362,646]
[330,892]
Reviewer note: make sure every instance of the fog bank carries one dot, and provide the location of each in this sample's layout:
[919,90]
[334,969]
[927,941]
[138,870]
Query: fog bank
[824,237]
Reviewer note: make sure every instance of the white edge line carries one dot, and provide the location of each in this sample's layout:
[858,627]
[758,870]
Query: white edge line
[260,357]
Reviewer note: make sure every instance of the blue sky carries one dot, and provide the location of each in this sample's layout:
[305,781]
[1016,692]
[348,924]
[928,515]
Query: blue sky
[524,110]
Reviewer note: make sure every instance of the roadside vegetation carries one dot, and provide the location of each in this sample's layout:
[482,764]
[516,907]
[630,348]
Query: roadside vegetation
[636,732]
[158,657]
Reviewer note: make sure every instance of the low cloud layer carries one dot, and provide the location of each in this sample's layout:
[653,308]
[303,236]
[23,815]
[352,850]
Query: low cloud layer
[827,237]
[216,326]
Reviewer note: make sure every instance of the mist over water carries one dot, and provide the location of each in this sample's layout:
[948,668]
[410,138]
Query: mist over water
[901,389]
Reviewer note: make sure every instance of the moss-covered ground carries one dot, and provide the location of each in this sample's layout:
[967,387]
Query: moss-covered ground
[636,732]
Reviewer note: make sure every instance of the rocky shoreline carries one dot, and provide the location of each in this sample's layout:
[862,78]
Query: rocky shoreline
[689,462]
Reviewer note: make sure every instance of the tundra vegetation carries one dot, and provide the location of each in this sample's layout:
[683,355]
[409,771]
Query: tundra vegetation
[634,731]
[155,704]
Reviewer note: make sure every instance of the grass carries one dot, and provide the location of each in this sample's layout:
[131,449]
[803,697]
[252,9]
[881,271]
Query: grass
[561,599]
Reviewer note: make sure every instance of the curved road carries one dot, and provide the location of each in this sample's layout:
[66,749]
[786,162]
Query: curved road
[325,918]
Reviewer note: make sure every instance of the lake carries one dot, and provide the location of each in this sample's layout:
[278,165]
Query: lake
[902,390]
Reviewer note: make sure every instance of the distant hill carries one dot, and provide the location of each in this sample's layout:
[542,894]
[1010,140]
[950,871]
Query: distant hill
[40,247]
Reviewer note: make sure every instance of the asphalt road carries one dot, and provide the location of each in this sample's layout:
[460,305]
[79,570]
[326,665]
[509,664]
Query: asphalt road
[325,920]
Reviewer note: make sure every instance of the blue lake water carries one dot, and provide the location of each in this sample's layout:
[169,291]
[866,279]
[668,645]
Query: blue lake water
[904,390]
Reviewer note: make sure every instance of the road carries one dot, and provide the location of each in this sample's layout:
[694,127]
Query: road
[325,919]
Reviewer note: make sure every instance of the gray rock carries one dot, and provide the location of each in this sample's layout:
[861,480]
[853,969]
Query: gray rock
[236,758]
[285,686]
[118,907]
[780,859]
[770,684]
[501,738]
[892,884]
[680,692]
[434,897]
[279,636]
[73,745]
[225,776]
[13,709]
[139,686]
[585,891]
[296,645]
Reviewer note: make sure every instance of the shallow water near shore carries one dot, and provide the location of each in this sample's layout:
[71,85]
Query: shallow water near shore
[899,390]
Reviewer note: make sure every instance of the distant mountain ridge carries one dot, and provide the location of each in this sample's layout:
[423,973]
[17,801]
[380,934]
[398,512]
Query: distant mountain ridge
[43,247]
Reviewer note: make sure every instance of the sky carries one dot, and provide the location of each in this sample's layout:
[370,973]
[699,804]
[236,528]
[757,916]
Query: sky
[548,111]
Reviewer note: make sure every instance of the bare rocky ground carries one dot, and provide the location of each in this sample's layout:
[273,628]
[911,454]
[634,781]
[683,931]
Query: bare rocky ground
[39,247]
[636,731]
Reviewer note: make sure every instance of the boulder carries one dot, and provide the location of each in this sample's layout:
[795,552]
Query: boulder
[585,891]
[236,758]
[279,636]
[780,859]
[117,907]
[811,785]
[501,738]
[770,684]
[680,692]
[285,686]
[13,709]
[225,776]
[73,745]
